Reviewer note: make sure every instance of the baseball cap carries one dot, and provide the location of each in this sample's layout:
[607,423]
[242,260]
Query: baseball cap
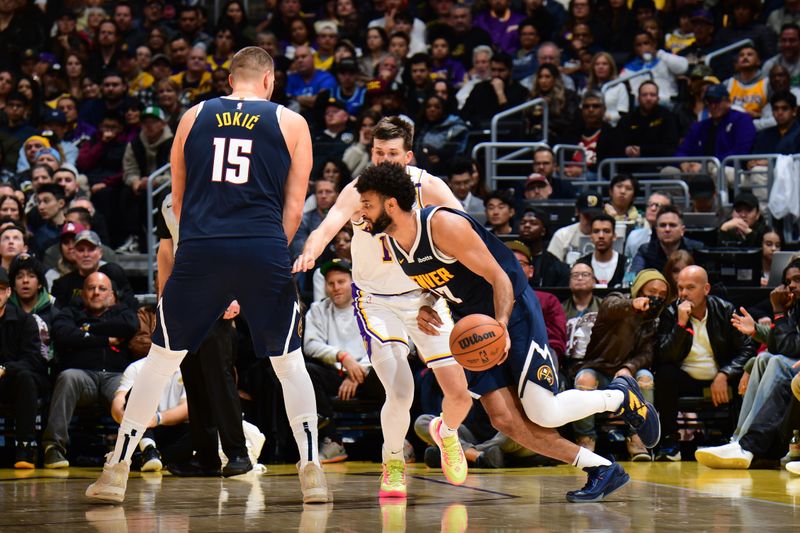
[54,116]
[717,92]
[535,178]
[336,103]
[703,15]
[521,247]
[45,151]
[154,111]
[589,201]
[43,140]
[701,186]
[3,278]
[341,265]
[160,57]
[326,26]
[87,236]
[72,228]
[346,65]
[69,167]
[746,199]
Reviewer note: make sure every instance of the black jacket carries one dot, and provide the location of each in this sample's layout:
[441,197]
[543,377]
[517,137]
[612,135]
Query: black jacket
[731,348]
[81,340]
[20,347]
[784,339]
[482,103]
[548,271]
[655,134]
[68,287]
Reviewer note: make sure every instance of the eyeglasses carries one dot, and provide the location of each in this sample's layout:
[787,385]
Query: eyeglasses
[524,264]
[592,106]
[654,205]
[580,275]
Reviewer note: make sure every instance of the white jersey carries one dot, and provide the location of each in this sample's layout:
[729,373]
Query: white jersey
[375,270]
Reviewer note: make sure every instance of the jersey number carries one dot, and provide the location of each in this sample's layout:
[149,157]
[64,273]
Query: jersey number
[231,163]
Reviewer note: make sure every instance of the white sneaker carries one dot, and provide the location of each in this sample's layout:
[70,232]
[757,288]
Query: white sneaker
[313,484]
[112,483]
[331,452]
[793,467]
[727,456]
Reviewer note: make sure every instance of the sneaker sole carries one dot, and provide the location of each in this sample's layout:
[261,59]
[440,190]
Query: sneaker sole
[337,459]
[316,496]
[53,466]
[24,465]
[641,458]
[794,469]
[392,494]
[725,463]
[601,497]
[433,428]
[153,465]
[117,496]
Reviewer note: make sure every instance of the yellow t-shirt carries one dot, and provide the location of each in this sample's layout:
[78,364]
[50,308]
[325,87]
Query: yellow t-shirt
[751,97]
[143,80]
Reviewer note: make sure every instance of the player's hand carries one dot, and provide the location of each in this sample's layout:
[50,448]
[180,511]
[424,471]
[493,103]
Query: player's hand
[347,390]
[304,262]
[743,383]
[354,371]
[744,323]
[641,304]
[684,310]
[719,389]
[232,310]
[508,344]
[428,320]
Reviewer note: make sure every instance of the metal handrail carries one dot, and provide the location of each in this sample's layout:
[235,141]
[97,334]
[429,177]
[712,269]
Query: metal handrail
[648,187]
[610,165]
[517,109]
[152,245]
[560,149]
[725,49]
[491,160]
[627,77]
[736,161]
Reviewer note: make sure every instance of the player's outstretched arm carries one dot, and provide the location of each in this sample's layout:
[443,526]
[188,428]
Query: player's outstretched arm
[178,161]
[454,236]
[436,192]
[347,205]
[298,141]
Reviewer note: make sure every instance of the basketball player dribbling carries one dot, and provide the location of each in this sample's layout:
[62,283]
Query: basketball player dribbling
[448,253]
[386,304]
[240,168]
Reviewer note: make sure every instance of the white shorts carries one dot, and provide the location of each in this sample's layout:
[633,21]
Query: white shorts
[387,319]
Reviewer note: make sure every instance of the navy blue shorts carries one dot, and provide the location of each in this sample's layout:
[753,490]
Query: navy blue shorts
[528,359]
[210,273]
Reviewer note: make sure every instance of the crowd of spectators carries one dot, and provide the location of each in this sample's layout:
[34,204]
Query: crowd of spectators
[91,93]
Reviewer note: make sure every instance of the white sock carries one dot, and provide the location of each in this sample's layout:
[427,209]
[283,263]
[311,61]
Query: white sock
[301,405]
[587,459]
[158,368]
[392,368]
[446,431]
[145,442]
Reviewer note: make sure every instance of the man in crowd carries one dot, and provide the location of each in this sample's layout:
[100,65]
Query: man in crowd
[544,163]
[91,340]
[641,236]
[697,347]
[459,178]
[325,192]
[548,271]
[23,376]
[607,264]
[500,212]
[622,344]
[568,238]
[581,311]
[307,82]
[747,225]
[789,53]
[669,237]
[492,96]
[748,88]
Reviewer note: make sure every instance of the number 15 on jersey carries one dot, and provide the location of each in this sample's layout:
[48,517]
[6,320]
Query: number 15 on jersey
[231,160]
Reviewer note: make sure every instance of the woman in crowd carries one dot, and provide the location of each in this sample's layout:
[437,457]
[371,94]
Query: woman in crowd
[562,104]
[439,135]
[357,155]
[377,43]
[622,192]
[771,242]
[677,261]
[603,71]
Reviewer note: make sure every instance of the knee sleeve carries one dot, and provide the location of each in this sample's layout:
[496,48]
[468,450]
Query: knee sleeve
[162,361]
[288,364]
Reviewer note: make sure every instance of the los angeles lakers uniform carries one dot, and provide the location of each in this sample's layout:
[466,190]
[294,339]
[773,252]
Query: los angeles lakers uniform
[387,302]
[468,293]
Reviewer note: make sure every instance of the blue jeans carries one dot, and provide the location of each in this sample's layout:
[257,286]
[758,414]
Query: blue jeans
[769,371]
[585,427]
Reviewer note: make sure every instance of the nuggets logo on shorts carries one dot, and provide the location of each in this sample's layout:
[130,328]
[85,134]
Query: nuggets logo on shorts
[545,374]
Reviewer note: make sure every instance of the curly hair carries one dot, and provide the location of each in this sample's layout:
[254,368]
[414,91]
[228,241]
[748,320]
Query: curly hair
[390,181]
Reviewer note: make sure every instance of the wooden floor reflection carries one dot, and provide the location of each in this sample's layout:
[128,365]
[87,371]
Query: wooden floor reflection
[661,497]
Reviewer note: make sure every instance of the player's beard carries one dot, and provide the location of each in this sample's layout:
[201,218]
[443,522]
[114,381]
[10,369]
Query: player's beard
[380,224]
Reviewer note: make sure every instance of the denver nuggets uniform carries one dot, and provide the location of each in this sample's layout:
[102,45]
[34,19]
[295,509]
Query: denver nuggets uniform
[232,242]
[387,302]
[468,293]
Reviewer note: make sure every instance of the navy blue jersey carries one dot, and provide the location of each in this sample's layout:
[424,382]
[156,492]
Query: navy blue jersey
[466,292]
[236,168]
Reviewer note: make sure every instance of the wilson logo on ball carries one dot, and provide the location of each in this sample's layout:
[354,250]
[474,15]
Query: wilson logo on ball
[473,339]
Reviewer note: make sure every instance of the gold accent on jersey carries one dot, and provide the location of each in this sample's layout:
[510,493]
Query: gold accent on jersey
[237,118]
[434,279]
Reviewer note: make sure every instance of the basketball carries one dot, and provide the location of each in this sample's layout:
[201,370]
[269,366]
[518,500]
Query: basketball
[477,342]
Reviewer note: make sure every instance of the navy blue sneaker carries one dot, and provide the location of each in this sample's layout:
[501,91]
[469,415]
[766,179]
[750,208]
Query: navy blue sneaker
[603,480]
[638,413]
